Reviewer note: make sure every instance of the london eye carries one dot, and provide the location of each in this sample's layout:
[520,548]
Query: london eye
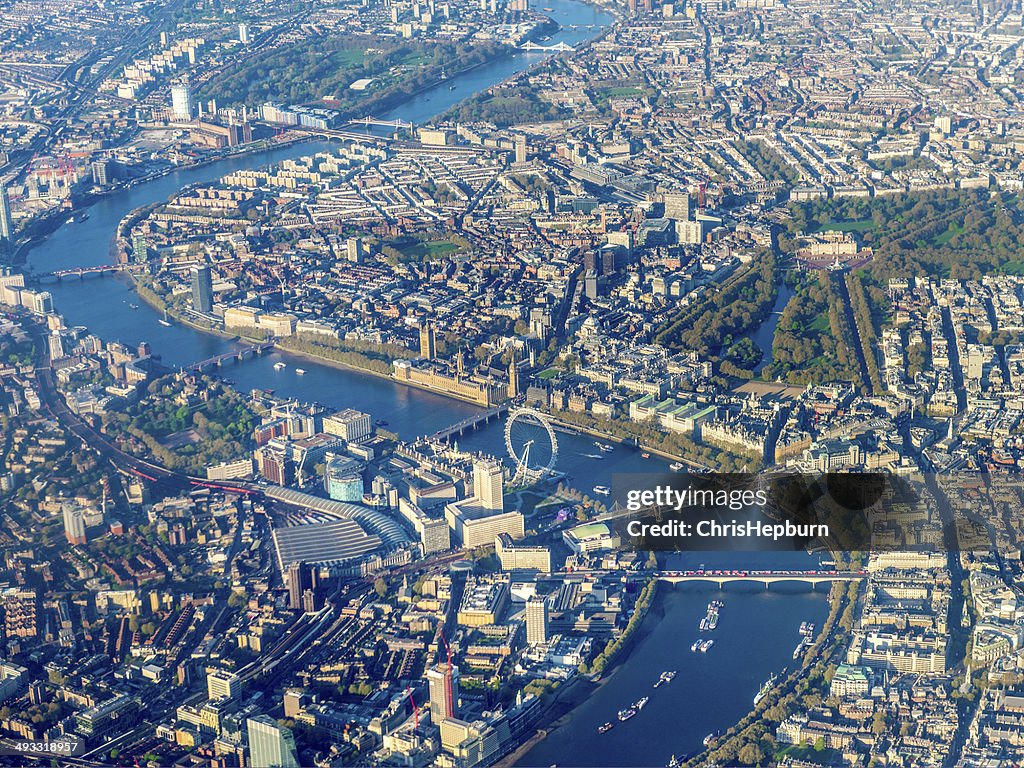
[531,444]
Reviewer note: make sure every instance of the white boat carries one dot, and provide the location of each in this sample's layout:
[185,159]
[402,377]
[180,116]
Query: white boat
[604,490]
[279,366]
[300,371]
[675,466]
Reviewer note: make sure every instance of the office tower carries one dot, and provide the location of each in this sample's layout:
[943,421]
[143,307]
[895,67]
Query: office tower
[202,289]
[443,686]
[428,341]
[6,224]
[521,148]
[221,684]
[677,206]
[488,485]
[74,524]
[270,745]
[243,34]
[303,583]
[536,620]
[181,101]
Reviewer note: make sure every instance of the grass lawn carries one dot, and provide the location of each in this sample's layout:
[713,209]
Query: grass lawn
[346,57]
[808,753]
[945,237]
[859,225]
[622,91]
[549,373]
[820,324]
[429,250]
[1012,268]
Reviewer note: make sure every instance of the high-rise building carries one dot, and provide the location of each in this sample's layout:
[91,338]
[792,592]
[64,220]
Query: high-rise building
[6,223]
[270,745]
[343,478]
[243,34]
[221,684]
[202,289]
[102,172]
[74,524]
[303,587]
[520,148]
[536,620]
[677,206]
[348,424]
[56,344]
[181,101]
[296,700]
[354,249]
[489,484]
[428,341]
[443,687]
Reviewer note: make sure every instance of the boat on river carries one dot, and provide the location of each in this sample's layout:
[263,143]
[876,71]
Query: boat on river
[765,689]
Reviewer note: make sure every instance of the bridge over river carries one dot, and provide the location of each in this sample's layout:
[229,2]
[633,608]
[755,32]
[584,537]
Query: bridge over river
[470,422]
[766,577]
[233,355]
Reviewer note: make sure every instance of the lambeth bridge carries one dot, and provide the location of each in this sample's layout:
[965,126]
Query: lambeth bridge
[235,355]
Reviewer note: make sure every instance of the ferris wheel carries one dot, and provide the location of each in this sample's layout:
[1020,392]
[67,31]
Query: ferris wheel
[531,444]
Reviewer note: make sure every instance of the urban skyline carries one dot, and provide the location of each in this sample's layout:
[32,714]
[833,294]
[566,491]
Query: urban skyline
[332,335]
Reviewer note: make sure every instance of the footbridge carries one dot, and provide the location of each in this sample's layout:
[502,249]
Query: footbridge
[766,577]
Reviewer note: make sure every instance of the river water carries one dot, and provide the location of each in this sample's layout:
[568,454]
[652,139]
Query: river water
[756,634]
[758,629]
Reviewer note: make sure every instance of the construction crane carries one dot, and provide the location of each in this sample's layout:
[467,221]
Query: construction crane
[415,710]
[702,189]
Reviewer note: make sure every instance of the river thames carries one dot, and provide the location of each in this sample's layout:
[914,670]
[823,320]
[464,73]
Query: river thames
[758,630]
